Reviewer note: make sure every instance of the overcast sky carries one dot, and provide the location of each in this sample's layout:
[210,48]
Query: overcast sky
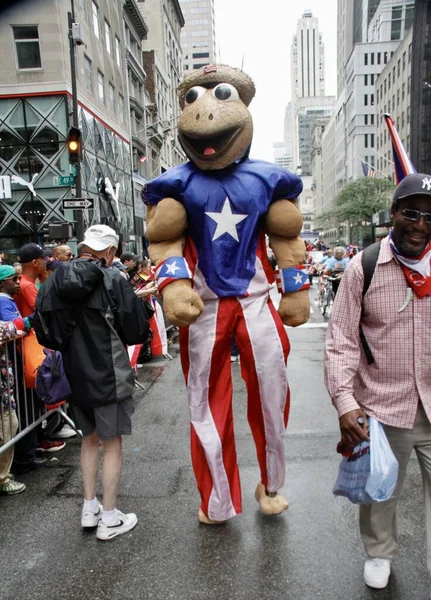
[259,37]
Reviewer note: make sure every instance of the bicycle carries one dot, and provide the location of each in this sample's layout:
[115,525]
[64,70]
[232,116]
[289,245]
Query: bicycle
[327,297]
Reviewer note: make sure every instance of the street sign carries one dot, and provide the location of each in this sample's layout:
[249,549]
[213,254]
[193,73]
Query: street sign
[64,180]
[78,203]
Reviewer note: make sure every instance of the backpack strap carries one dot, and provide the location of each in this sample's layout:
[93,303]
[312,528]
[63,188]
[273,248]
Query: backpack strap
[369,259]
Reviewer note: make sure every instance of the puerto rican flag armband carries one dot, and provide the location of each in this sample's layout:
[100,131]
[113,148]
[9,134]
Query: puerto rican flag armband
[174,267]
[293,279]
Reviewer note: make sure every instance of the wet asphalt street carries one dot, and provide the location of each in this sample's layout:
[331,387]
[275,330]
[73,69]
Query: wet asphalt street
[311,552]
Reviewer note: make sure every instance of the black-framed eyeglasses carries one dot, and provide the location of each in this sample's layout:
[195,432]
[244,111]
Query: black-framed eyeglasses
[14,278]
[69,254]
[414,215]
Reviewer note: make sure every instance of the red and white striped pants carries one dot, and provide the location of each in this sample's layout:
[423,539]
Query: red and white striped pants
[205,355]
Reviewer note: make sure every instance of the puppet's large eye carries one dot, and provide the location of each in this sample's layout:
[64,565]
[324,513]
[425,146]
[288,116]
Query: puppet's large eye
[225,91]
[194,93]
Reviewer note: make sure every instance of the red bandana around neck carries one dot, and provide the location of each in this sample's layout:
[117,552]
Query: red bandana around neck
[417,270]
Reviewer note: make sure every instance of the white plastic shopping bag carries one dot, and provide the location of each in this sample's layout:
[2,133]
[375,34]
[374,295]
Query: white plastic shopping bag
[383,464]
[353,474]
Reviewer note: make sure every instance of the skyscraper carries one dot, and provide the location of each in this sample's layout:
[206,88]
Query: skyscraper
[198,35]
[308,65]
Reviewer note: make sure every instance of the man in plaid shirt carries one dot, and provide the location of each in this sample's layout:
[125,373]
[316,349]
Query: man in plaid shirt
[396,388]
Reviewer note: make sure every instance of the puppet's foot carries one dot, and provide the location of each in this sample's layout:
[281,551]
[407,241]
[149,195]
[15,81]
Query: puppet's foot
[204,519]
[270,503]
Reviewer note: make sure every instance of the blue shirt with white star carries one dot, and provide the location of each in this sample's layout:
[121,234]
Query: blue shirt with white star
[225,210]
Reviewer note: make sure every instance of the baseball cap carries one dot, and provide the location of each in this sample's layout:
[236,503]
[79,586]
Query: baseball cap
[128,256]
[30,252]
[99,237]
[416,184]
[6,271]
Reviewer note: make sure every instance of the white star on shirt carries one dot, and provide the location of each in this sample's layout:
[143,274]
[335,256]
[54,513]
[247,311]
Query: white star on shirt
[172,268]
[298,278]
[226,221]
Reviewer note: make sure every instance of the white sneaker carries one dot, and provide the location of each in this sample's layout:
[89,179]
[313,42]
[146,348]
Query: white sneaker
[90,519]
[376,572]
[125,524]
[65,432]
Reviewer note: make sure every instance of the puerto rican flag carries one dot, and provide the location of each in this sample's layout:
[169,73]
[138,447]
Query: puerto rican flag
[171,269]
[402,163]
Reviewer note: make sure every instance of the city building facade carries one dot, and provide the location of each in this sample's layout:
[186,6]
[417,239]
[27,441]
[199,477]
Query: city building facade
[281,156]
[198,38]
[163,66]
[363,68]
[391,20]
[308,60]
[393,96]
[35,116]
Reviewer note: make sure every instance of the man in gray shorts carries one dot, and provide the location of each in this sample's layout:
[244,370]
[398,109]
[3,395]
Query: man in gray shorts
[90,312]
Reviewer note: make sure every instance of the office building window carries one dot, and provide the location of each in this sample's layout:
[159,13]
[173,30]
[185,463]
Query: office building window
[117,51]
[385,58]
[409,84]
[95,10]
[365,59]
[366,100]
[365,79]
[101,86]
[398,67]
[372,119]
[27,47]
[396,23]
[410,52]
[372,99]
[403,91]
[379,58]
[372,58]
[366,140]
[121,107]
[410,12]
[201,55]
[108,37]
[88,74]
[112,98]
[372,140]
[372,78]
[365,119]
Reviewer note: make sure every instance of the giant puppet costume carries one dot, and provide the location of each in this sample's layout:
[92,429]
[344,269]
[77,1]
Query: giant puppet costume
[207,221]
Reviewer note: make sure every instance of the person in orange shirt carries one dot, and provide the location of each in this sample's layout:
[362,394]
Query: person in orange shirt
[32,258]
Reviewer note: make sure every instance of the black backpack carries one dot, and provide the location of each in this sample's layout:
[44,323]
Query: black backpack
[369,259]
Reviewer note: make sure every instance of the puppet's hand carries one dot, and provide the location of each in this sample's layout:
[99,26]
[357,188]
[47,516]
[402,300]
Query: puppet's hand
[181,304]
[294,308]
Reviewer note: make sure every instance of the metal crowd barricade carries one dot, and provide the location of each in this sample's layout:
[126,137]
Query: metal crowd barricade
[30,409]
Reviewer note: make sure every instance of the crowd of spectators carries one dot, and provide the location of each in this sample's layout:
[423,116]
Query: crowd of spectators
[20,406]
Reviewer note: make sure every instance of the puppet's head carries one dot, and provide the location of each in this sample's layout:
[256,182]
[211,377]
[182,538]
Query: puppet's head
[215,127]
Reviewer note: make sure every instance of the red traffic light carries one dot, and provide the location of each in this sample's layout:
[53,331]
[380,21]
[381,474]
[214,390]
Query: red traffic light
[74,145]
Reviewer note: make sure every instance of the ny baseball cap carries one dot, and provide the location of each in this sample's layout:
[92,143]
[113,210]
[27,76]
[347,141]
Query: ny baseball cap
[417,184]
[30,252]
[99,237]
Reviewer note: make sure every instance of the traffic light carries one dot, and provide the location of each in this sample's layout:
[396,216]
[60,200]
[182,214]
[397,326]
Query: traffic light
[74,145]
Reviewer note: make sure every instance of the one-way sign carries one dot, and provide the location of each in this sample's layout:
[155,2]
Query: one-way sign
[78,203]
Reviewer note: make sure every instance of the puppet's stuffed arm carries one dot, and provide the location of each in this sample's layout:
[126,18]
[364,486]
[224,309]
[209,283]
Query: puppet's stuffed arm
[166,224]
[284,223]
